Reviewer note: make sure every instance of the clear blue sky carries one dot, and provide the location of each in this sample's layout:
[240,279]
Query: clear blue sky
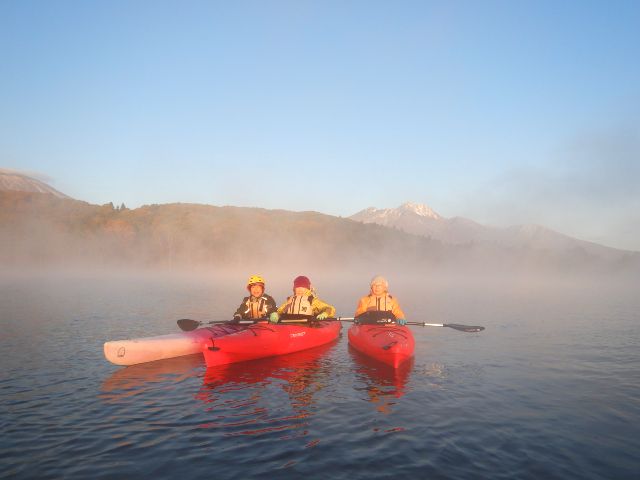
[506,112]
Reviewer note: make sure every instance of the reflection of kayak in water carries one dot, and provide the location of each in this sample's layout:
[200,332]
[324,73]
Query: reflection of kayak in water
[267,340]
[246,398]
[388,343]
[267,369]
[149,349]
[382,380]
[136,379]
[384,384]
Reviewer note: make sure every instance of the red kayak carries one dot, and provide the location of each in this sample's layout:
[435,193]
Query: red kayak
[268,340]
[389,343]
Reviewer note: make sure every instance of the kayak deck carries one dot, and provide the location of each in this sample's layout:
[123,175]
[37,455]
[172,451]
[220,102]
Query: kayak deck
[267,340]
[388,343]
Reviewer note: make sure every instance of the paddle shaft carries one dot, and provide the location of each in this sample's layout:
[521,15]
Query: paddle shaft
[187,324]
[455,326]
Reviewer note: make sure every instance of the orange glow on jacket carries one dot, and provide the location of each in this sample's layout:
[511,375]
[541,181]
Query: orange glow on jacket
[383,303]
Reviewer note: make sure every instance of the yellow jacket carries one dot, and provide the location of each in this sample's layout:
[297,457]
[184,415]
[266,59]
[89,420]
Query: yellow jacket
[385,303]
[317,305]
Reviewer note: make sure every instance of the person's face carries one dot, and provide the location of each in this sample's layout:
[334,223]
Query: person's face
[377,289]
[299,290]
[256,290]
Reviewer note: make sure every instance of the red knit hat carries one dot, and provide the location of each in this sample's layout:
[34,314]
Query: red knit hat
[302,281]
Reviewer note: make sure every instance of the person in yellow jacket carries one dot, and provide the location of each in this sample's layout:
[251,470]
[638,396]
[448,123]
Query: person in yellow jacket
[379,300]
[303,302]
[258,304]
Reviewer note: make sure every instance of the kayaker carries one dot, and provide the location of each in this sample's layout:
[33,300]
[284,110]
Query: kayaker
[303,302]
[379,300]
[258,304]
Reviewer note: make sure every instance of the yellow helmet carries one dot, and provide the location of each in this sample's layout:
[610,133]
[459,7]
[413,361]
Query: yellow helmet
[255,279]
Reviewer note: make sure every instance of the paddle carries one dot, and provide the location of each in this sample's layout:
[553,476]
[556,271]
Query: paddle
[455,326]
[186,324]
[302,318]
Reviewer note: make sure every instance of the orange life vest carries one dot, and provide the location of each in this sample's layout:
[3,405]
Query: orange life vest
[384,303]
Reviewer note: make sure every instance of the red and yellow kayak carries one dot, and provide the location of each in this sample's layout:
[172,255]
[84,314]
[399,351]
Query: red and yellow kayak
[386,342]
[267,340]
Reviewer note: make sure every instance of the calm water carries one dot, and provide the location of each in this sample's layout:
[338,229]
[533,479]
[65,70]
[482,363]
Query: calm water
[550,390]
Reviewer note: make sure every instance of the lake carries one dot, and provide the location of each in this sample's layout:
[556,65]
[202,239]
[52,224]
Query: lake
[551,388]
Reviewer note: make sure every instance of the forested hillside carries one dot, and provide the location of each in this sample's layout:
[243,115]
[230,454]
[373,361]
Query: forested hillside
[41,229]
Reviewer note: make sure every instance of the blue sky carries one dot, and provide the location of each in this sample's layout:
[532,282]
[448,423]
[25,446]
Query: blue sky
[500,111]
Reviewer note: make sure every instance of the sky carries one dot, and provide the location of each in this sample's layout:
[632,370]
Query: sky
[500,111]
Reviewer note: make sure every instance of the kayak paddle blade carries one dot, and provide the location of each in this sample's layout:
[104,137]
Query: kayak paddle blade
[186,324]
[464,328]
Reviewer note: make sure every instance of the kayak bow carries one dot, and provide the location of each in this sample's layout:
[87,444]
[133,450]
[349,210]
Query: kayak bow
[149,349]
[388,343]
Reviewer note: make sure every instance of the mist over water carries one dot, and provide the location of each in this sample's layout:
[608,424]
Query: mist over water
[38,231]
[548,390]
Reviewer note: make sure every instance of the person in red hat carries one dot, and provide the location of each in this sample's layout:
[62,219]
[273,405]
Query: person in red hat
[303,302]
[258,304]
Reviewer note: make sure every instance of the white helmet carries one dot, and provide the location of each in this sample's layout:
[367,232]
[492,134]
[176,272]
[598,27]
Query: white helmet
[380,280]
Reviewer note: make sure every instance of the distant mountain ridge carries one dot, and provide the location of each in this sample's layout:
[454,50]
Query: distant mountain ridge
[19,182]
[43,229]
[51,229]
[420,219]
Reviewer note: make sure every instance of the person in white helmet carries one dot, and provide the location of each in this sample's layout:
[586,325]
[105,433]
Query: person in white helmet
[379,300]
[258,304]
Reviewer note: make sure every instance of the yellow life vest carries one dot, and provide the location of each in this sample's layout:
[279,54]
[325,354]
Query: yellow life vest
[299,305]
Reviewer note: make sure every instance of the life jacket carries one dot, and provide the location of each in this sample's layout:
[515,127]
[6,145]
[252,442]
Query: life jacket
[299,305]
[256,307]
[380,304]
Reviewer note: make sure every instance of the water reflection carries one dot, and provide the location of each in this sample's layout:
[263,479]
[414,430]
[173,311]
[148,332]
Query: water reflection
[384,384]
[274,394]
[137,379]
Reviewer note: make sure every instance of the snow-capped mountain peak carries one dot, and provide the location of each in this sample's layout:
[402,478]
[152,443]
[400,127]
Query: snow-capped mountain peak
[421,220]
[407,212]
[419,209]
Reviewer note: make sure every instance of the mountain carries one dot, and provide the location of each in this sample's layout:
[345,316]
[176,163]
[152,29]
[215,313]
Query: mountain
[19,182]
[42,229]
[422,220]
[38,230]
[48,229]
